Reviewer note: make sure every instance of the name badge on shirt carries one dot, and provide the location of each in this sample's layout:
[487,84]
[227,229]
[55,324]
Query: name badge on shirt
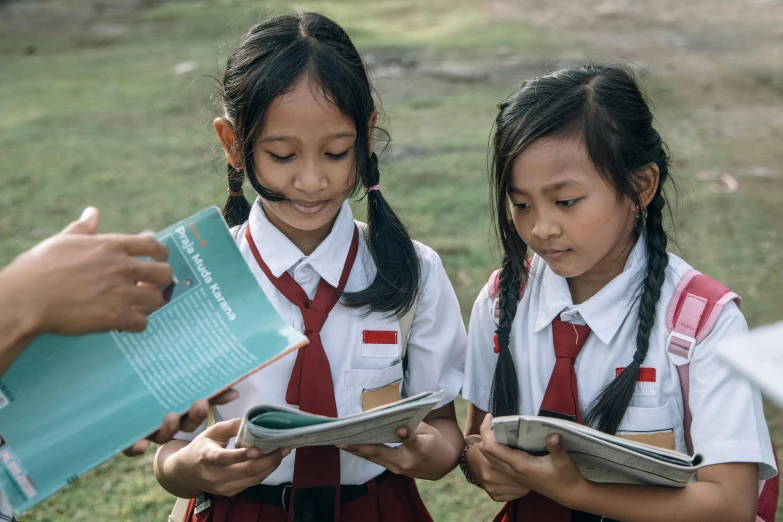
[380,343]
[380,396]
[646,383]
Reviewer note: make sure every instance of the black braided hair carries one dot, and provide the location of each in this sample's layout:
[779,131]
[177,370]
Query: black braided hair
[268,61]
[608,408]
[392,251]
[237,209]
[504,394]
[605,105]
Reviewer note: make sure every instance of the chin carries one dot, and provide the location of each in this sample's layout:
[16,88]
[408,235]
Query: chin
[307,223]
[566,270]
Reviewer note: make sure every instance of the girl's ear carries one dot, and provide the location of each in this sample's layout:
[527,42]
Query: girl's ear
[371,134]
[225,133]
[647,179]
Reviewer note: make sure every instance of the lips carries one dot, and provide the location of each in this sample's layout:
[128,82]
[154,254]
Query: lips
[554,254]
[308,207]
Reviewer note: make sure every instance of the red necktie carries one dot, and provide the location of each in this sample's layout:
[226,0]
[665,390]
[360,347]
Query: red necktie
[561,400]
[312,388]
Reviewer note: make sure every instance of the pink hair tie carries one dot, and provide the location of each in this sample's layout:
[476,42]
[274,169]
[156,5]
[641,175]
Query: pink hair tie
[374,187]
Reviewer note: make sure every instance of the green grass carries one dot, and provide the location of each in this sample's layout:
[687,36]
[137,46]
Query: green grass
[103,120]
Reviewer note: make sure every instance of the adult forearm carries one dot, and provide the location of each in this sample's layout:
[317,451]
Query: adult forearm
[17,321]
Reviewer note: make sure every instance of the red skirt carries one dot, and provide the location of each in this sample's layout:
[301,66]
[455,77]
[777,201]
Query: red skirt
[396,499]
[539,508]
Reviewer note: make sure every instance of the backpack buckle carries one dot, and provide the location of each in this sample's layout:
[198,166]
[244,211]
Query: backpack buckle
[680,348]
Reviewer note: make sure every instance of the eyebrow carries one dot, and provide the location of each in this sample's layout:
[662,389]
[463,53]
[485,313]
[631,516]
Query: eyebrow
[331,137]
[554,187]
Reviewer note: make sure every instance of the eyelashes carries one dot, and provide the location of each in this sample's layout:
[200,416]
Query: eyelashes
[563,203]
[286,159]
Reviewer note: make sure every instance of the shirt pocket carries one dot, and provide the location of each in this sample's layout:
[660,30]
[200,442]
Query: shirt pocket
[661,426]
[373,387]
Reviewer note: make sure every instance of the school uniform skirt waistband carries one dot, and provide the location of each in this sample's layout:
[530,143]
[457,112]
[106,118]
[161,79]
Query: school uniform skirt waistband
[387,498]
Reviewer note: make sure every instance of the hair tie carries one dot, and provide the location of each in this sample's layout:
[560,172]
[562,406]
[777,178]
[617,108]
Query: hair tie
[638,357]
[501,337]
[238,193]
[374,187]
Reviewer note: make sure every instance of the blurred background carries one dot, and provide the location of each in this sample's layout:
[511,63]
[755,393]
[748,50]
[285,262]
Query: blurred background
[108,103]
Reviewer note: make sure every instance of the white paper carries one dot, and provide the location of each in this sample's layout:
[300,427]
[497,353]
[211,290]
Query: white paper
[376,426]
[600,457]
[759,357]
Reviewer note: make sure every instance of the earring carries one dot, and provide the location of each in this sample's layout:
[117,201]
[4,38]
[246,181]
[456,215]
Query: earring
[237,165]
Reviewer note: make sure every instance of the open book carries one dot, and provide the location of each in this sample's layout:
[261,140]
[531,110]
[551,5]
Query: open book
[600,457]
[269,426]
[759,357]
[69,403]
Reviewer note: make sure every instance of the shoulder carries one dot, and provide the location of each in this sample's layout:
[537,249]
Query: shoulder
[490,292]
[721,308]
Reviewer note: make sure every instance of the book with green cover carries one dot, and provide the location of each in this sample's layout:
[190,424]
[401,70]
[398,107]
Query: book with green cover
[70,403]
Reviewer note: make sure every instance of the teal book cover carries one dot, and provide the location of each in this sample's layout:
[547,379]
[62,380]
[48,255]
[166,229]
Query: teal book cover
[70,403]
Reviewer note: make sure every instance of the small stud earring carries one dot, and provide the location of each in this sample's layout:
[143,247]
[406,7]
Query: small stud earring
[237,165]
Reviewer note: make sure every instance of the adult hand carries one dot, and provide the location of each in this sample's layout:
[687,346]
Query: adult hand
[173,423]
[79,282]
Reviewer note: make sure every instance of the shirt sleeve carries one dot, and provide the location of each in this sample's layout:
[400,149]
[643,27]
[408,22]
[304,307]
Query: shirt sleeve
[728,415]
[481,358]
[437,342]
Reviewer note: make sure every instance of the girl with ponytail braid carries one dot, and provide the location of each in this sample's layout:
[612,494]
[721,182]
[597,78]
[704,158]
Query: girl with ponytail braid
[574,323]
[300,125]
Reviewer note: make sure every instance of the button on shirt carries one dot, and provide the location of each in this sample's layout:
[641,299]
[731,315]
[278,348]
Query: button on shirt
[436,346]
[728,416]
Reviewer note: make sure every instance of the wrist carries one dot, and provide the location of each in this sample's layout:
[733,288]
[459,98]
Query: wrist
[578,497]
[21,315]
[468,468]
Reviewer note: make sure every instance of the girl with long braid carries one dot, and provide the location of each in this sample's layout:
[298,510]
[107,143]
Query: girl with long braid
[300,122]
[579,329]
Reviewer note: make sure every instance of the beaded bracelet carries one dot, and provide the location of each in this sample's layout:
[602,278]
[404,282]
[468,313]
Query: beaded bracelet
[463,464]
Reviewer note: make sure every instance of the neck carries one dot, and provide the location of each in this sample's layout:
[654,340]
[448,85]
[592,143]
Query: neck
[305,240]
[586,285]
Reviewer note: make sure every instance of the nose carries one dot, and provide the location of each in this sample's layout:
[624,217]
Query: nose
[544,227]
[310,179]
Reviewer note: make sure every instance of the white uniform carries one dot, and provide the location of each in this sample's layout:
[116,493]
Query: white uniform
[436,346]
[728,416]
[6,511]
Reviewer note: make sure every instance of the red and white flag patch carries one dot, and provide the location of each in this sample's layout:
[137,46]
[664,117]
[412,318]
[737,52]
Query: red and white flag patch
[646,383]
[380,343]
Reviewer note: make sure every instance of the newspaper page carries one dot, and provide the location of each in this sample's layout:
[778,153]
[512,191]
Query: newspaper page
[376,426]
[759,357]
[600,457]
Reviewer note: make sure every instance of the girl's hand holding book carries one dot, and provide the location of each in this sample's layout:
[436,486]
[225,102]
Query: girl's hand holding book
[499,486]
[424,454]
[555,475]
[206,465]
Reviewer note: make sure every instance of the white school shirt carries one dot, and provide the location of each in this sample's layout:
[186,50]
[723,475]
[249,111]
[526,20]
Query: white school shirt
[6,511]
[728,416]
[436,346]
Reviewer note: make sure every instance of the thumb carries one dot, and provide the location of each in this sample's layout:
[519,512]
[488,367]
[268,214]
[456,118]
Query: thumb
[221,432]
[555,448]
[407,436]
[86,224]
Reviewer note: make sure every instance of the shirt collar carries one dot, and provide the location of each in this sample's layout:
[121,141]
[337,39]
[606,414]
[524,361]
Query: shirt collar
[605,312]
[280,254]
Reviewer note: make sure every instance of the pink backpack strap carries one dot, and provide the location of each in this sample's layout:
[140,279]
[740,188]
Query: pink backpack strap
[493,285]
[693,311]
